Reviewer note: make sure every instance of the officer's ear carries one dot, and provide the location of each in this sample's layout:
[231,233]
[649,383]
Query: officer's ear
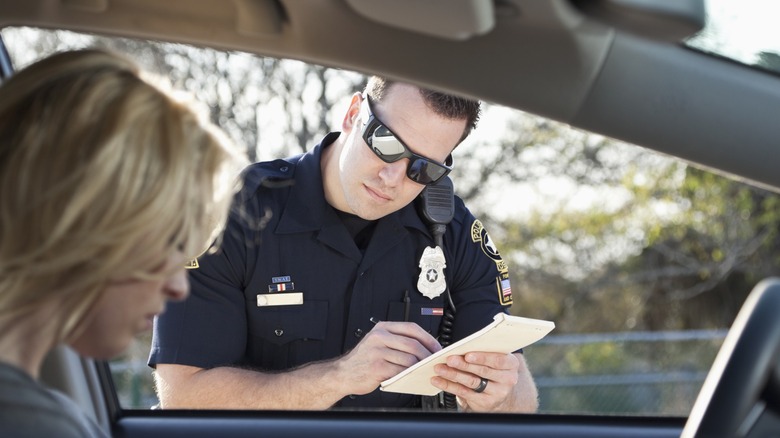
[353,112]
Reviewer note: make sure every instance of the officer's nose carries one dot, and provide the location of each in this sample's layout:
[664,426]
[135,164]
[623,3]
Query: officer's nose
[393,174]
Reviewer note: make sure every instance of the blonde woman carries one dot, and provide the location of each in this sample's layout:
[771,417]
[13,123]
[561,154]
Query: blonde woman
[108,186]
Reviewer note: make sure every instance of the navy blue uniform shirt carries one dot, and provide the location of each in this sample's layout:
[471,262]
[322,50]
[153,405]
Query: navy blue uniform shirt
[285,241]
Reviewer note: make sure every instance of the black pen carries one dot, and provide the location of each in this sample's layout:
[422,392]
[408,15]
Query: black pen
[406,305]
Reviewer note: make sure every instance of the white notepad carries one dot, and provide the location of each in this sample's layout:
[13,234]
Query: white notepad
[505,334]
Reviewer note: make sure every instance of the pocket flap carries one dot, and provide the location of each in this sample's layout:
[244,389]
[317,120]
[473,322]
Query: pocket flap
[282,324]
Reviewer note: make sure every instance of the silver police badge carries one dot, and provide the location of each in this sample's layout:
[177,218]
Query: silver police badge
[431,282]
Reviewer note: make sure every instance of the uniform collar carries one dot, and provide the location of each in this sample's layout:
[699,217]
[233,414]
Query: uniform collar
[306,208]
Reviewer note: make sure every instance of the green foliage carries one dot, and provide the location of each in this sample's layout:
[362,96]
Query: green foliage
[679,248]
[606,357]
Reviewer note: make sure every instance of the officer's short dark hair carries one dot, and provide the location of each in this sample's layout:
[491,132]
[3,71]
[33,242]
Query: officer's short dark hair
[446,105]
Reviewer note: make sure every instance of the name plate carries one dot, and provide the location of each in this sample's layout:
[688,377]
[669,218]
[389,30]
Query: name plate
[288,299]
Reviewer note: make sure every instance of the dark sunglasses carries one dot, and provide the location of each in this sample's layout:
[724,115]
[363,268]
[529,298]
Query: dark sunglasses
[389,148]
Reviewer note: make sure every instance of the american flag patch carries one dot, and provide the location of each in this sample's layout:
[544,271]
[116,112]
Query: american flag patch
[281,287]
[506,289]
[432,311]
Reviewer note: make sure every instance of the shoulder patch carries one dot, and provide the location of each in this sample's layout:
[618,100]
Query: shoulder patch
[480,235]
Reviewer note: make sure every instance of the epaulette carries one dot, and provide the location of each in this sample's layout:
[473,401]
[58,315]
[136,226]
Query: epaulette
[269,174]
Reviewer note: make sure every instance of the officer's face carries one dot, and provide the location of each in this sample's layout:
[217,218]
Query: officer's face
[373,188]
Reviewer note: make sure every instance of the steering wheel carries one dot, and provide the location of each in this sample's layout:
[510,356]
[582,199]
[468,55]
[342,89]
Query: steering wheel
[744,380]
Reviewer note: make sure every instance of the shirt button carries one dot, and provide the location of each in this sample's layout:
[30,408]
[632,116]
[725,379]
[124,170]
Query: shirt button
[284,168]
[352,396]
[278,332]
[358,333]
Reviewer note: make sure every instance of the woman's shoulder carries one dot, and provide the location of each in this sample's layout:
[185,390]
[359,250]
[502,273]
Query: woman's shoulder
[29,409]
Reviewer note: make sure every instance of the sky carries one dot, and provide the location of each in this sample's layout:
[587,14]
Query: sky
[741,29]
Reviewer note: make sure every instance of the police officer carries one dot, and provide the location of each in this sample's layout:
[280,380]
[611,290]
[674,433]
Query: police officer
[328,281]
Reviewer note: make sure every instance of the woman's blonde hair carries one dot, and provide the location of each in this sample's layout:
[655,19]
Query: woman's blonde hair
[103,175]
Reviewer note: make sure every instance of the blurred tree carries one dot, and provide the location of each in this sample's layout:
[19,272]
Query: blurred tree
[272,107]
[281,105]
[709,259]
[663,245]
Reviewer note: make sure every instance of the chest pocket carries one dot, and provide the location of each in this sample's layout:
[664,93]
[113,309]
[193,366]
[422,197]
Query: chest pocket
[283,337]
[426,314]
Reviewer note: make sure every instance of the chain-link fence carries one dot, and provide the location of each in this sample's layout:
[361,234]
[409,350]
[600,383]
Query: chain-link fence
[633,373]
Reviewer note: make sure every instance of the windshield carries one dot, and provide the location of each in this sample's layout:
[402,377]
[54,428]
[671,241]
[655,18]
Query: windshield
[641,260]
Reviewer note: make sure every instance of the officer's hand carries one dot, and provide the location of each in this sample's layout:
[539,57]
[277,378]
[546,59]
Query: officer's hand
[510,387]
[388,349]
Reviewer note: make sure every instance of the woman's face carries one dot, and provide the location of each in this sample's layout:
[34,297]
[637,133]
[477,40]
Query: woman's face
[127,309]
